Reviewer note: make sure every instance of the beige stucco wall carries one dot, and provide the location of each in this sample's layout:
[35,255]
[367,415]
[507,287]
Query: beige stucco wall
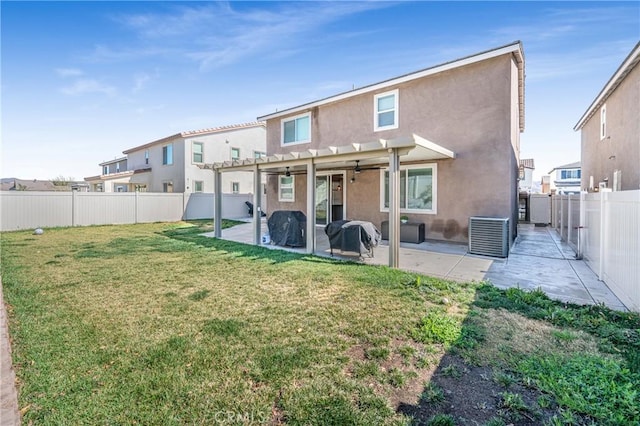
[468,110]
[622,141]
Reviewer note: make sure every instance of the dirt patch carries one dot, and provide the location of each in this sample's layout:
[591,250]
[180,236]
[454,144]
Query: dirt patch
[474,395]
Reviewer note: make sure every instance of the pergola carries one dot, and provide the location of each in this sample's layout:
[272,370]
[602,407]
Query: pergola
[391,151]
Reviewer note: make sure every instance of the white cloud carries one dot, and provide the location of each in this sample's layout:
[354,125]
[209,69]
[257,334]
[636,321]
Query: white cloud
[218,34]
[69,72]
[86,86]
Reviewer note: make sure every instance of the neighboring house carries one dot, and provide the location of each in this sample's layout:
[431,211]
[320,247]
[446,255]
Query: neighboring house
[610,131]
[12,184]
[567,179]
[545,184]
[439,145]
[174,163]
[525,183]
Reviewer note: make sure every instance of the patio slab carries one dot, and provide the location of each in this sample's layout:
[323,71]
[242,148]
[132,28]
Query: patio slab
[538,259]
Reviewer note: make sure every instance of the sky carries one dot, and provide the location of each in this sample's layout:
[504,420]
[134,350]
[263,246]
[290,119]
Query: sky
[83,81]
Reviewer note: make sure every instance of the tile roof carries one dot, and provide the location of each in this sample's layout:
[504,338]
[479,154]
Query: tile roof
[528,163]
[189,133]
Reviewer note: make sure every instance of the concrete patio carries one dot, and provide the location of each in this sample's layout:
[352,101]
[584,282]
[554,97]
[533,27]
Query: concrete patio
[538,259]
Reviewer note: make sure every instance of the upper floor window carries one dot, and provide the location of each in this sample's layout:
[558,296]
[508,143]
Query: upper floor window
[235,153]
[118,168]
[385,110]
[259,154]
[417,189]
[167,155]
[198,152]
[146,156]
[198,186]
[296,129]
[570,174]
[105,170]
[603,121]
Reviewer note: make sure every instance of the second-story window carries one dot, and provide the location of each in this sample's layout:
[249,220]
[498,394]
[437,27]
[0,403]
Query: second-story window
[167,154]
[146,156]
[296,129]
[385,108]
[198,152]
[235,153]
[259,154]
[105,170]
[118,168]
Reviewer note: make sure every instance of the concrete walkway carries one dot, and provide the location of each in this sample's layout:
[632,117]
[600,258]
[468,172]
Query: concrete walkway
[538,259]
[9,414]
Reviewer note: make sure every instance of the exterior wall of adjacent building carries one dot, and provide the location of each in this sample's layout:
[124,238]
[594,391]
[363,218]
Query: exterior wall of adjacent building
[218,148]
[471,110]
[566,185]
[620,148]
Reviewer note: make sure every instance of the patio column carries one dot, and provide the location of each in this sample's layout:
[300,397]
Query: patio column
[394,208]
[257,211]
[311,207]
[217,204]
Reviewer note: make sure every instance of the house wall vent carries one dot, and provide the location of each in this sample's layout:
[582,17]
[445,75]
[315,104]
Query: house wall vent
[489,236]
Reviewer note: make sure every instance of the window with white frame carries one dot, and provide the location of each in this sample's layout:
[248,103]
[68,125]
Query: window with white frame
[235,187]
[259,154]
[570,174]
[235,153]
[198,186]
[385,109]
[105,170]
[286,188]
[603,122]
[198,152]
[167,186]
[417,189]
[296,129]
[146,156]
[167,155]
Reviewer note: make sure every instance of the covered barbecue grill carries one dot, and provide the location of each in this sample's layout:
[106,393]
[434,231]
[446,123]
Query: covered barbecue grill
[353,236]
[287,228]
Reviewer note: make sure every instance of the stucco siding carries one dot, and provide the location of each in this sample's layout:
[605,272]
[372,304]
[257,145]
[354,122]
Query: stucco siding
[620,149]
[468,110]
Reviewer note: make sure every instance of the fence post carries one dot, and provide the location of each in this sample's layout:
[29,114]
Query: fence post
[581,224]
[136,207]
[561,215]
[569,224]
[603,227]
[73,208]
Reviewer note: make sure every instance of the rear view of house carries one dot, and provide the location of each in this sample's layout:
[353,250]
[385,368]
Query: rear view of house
[461,121]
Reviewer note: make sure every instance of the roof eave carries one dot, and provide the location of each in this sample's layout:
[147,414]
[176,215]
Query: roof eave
[623,70]
[513,48]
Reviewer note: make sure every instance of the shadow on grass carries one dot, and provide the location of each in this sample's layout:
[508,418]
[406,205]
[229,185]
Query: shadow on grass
[547,384]
[193,235]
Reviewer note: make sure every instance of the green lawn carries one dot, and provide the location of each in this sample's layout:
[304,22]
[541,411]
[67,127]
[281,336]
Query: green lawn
[154,324]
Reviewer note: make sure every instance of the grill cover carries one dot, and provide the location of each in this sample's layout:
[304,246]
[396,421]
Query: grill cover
[353,235]
[287,228]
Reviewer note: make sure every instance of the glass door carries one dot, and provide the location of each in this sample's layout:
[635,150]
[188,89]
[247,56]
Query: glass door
[322,200]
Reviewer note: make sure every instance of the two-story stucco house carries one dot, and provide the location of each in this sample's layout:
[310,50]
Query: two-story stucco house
[439,145]
[173,164]
[610,131]
[566,178]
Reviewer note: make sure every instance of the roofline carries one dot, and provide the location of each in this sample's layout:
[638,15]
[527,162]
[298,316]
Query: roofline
[190,133]
[625,68]
[115,160]
[514,48]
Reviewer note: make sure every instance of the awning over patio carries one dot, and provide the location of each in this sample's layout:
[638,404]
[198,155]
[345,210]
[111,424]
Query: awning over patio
[410,148]
[383,151]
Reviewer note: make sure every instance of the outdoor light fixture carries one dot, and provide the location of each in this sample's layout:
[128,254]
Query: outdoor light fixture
[287,173]
[357,169]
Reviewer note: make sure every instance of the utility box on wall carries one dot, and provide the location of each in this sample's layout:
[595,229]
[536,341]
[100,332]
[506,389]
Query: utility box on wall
[540,209]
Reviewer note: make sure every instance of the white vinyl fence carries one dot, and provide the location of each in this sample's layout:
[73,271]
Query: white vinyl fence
[29,210]
[610,241]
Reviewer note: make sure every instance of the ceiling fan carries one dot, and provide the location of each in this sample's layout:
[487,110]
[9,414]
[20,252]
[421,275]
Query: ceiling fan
[288,172]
